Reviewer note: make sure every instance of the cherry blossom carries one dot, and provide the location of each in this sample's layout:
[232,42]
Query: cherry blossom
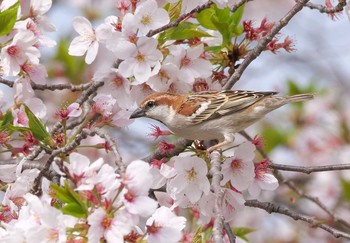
[104,104]
[239,169]
[122,43]
[141,60]
[190,64]
[138,181]
[191,178]
[112,227]
[80,167]
[164,77]
[233,202]
[87,41]
[148,16]
[19,51]
[37,73]
[164,226]
[264,180]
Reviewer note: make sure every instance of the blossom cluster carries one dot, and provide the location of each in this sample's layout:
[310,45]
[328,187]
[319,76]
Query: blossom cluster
[94,201]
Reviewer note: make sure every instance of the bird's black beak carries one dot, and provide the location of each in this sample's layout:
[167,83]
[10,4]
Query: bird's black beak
[137,113]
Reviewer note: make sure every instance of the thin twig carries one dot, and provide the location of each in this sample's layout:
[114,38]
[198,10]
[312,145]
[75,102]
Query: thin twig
[273,208]
[179,19]
[118,159]
[51,87]
[298,191]
[219,194]
[311,169]
[324,9]
[229,232]
[257,50]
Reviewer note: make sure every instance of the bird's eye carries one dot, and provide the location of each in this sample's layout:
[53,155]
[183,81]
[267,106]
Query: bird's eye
[150,104]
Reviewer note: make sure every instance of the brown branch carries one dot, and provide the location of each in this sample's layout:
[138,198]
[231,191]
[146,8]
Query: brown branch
[257,50]
[229,232]
[273,208]
[324,9]
[294,188]
[51,87]
[69,147]
[177,21]
[311,169]
[219,194]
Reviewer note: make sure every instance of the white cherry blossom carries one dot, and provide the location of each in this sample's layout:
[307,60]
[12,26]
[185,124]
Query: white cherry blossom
[148,16]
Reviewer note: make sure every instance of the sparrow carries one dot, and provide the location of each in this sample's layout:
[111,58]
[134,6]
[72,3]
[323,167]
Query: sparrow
[212,115]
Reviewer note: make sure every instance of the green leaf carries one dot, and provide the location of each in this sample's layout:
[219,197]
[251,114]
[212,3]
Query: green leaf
[346,189]
[223,28]
[204,18]
[37,128]
[197,238]
[185,31]
[236,17]
[7,118]
[73,200]
[242,232]
[8,19]
[62,194]
[74,209]
[174,10]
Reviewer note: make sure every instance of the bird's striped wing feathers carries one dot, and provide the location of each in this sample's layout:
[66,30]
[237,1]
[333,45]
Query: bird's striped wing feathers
[217,104]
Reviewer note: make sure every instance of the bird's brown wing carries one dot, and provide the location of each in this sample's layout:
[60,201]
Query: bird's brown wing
[216,104]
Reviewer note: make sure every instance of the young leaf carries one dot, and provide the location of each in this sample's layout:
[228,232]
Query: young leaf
[37,128]
[197,238]
[236,17]
[204,18]
[8,19]
[74,209]
[241,232]
[6,120]
[185,31]
[62,194]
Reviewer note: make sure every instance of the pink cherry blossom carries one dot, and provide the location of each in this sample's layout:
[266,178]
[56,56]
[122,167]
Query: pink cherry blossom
[138,181]
[113,227]
[189,62]
[37,73]
[165,226]
[264,180]
[141,60]
[19,51]
[164,77]
[239,169]
[233,202]
[148,16]
[122,43]
[104,104]
[191,179]
[80,167]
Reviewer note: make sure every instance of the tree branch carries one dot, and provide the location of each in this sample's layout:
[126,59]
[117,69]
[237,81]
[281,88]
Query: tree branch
[329,10]
[219,194]
[51,87]
[256,51]
[311,169]
[273,208]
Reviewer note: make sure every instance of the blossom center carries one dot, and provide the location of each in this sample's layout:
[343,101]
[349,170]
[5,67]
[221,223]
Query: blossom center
[236,164]
[152,229]
[191,175]
[53,235]
[118,81]
[13,51]
[163,75]
[146,20]
[140,57]
[185,61]
[129,196]
[106,222]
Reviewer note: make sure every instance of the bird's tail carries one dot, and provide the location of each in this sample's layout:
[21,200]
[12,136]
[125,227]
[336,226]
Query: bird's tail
[300,97]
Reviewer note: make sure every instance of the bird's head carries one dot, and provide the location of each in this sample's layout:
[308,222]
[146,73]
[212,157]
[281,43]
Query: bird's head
[158,106]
